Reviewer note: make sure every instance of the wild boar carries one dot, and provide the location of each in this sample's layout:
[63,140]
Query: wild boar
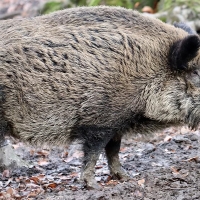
[92,74]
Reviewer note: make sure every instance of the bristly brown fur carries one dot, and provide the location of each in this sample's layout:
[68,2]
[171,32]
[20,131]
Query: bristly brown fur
[94,73]
[93,66]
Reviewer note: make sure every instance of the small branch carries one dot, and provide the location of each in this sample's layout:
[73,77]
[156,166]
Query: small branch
[9,15]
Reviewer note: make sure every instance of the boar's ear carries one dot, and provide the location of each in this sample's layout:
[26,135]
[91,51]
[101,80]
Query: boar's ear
[184,51]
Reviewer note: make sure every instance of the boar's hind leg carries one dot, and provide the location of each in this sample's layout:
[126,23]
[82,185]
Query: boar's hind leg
[94,141]
[112,153]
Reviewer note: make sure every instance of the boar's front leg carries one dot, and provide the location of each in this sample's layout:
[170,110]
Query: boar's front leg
[112,153]
[94,141]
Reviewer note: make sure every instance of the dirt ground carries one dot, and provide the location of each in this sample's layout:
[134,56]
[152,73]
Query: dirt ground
[165,166]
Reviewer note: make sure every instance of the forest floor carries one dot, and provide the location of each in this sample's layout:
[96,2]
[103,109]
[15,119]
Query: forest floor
[165,166]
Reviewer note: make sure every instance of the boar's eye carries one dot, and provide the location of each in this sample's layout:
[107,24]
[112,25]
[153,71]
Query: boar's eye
[194,77]
[195,73]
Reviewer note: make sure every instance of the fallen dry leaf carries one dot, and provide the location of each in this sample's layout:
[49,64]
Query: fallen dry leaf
[124,149]
[74,174]
[78,154]
[10,191]
[98,167]
[188,147]
[175,170]
[186,174]
[22,186]
[8,182]
[52,185]
[108,178]
[170,151]
[137,193]
[112,182]
[73,188]
[68,159]
[15,146]
[184,130]
[32,186]
[27,181]
[6,173]
[64,154]
[41,178]
[18,197]
[43,162]
[141,182]
[35,179]
[43,153]
[167,138]
[34,193]
[5,195]
[32,152]
[63,177]
[193,159]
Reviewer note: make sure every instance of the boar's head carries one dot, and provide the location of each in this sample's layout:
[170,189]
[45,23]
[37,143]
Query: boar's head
[177,99]
[185,60]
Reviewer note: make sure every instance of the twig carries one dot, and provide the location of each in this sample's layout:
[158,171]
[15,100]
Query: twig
[9,15]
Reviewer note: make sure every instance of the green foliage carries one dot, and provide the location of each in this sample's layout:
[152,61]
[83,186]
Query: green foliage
[123,3]
[60,4]
[51,7]
[94,2]
[166,5]
[80,2]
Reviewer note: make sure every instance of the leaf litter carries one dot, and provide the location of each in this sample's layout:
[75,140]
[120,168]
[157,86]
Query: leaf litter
[165,166]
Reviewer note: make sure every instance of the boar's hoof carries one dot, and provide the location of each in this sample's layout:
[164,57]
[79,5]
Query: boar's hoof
[121,175]
[91,183]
